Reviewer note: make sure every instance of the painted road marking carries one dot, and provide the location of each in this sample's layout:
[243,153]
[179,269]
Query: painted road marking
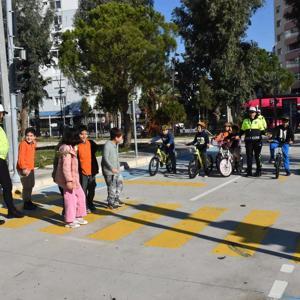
[162,183]
[60,229]
[215,189]
[248,235]
[179,234]
[277,289]
[27,220]
[285,268]
[123,228]
[282,178]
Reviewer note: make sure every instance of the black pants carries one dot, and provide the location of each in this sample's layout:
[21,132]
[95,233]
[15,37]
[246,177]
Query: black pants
[171,152]
[6,184]
[203,155]
[88,184]
[253,147]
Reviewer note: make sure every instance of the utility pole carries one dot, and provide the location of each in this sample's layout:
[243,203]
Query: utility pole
[5,86]
[13,98]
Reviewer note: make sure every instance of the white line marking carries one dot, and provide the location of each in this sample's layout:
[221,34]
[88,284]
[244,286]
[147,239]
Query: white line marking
[287,268]
[215,189]
[277,289]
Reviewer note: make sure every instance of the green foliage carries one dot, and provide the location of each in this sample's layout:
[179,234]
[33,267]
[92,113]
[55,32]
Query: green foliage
[171,112]
[115,49]
[85,108]
[33,34]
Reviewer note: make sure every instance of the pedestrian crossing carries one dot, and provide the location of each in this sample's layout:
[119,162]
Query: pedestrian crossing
[174,227]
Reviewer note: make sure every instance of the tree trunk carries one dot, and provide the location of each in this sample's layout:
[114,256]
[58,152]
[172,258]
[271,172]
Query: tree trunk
[37,121]
[24,120]
[127,129]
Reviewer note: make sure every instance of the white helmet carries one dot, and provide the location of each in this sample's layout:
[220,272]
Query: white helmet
[252,109]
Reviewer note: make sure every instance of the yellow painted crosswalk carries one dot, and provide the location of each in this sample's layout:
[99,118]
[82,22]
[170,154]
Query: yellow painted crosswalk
[248,235]
[245,240]
[123,228]
[182,232]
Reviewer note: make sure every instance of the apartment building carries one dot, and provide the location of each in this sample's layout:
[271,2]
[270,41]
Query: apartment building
[287,45]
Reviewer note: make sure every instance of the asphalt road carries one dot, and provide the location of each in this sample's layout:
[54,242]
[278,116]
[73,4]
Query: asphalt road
[177,238]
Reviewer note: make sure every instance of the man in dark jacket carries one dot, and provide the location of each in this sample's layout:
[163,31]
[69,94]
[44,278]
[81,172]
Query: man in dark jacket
[88,166]
[282,136]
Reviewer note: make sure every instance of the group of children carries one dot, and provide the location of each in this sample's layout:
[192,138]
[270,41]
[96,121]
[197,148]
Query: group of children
[75,170]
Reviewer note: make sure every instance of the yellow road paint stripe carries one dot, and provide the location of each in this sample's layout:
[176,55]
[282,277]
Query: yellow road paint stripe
[297,254]
[179,234]
[123,228]
[248,235]
[282,178]
[161,183]
[27,220]
[59,229]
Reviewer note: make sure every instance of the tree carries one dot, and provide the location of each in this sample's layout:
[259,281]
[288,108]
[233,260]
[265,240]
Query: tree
[116,49]
[85,6]
[294,12]
[85,109]
[213,30]
[33,25]
[171,112]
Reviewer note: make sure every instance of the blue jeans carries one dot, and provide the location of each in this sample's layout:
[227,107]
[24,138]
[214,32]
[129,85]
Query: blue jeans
[285,151]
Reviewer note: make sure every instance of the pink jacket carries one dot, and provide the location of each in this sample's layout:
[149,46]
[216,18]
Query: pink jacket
[67,168]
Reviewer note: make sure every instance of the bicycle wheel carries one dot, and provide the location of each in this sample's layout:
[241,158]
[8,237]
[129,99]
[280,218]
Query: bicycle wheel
[277,166]
[153,166]
[169,165]
[209,164]
[193,168]
[225,167]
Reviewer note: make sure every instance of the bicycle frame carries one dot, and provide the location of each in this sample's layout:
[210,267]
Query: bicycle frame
[161,155]
[197,154]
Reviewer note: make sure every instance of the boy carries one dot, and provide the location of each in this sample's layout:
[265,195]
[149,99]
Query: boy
[25,167]
[168,143]
[111,168]
[88,167]
[283,136]
[235,148]
[201,141]
[221,137]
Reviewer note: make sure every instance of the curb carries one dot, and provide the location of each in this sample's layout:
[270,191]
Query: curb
[45,181]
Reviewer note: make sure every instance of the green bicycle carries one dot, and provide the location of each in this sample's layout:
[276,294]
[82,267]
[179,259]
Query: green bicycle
[160,159]
[196,163]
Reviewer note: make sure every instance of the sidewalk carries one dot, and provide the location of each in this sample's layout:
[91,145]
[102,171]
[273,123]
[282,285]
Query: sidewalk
[128,160]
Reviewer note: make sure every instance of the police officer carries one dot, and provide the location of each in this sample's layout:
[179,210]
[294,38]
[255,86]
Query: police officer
[262,118]
[253,128]
[5,180]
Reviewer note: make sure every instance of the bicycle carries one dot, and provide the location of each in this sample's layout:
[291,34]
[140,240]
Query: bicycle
[160,159]
[224,160]
[196,163]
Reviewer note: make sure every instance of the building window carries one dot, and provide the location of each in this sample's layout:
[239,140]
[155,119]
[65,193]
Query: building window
[278,9]
[297,76]
[63,99]
[293,46]
[278,37]
[57,20]
[279,51]
[58,4]
[278,23]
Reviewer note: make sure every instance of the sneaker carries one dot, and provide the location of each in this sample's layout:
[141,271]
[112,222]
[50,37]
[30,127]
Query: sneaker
[119,202]
[205,176]
[28,205]
[73,225]
[288,173]
[92,207]
[2,222]
[112,206]
[81,221]
[14,213]
[257,173]
[88,211]
[249,174]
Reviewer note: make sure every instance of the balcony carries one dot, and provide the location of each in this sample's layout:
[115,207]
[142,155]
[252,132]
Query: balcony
[292,55]
[289,25]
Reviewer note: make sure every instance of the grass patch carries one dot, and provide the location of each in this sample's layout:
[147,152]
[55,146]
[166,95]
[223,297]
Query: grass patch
[44,158]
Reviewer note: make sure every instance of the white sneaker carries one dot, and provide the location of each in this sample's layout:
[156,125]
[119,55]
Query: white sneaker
[81,221]
[72,225]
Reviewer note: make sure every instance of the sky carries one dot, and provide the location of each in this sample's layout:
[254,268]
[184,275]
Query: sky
[260,31]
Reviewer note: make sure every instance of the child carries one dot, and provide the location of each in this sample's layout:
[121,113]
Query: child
[67,177]
[88,167]
[201,141]
[222,137]
[168,143]
[235,148]
[25,167]
[111,168]
[283,136]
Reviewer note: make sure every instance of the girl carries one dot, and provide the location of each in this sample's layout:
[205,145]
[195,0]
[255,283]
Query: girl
[67,177]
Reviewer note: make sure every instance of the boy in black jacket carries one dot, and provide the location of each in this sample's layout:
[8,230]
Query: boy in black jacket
[201,141]
[283,136]
[88,167]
